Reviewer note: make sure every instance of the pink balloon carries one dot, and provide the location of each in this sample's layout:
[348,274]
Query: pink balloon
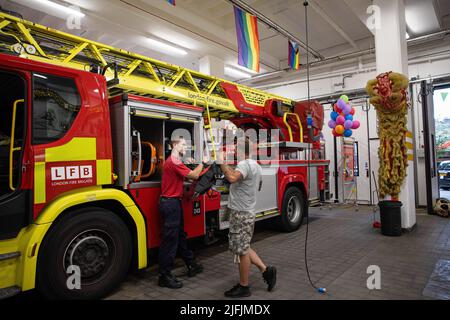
[332,124]
[348,124]
[356,124]
[340,120]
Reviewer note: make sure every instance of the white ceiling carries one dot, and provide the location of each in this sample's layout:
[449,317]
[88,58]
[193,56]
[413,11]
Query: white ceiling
[206,27]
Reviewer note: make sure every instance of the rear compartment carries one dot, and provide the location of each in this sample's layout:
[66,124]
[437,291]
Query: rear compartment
[141,131]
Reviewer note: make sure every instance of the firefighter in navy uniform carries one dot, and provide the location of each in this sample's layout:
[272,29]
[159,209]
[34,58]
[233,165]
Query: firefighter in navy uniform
[173,235]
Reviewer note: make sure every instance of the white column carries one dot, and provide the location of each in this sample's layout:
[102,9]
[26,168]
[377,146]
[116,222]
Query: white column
[212,66]
[392,55]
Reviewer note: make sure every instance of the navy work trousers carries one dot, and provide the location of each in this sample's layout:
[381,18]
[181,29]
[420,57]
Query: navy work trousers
[174,238]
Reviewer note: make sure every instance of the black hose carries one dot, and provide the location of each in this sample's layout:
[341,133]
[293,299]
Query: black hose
[311,137]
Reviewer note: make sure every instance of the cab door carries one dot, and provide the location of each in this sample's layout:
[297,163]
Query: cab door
[15,182]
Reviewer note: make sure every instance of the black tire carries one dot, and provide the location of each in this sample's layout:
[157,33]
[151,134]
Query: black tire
[98,242]
[293,210]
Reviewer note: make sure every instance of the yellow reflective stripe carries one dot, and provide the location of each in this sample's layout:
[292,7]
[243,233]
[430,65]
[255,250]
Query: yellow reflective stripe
[78,149]
[410,157]
[409,145]
[409,134]
[39,182]
[103,172]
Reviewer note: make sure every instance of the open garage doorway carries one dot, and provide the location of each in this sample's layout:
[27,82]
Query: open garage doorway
[441,102]
[432,100]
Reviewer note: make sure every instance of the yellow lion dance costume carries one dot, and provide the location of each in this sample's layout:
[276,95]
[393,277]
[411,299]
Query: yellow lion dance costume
[389,97]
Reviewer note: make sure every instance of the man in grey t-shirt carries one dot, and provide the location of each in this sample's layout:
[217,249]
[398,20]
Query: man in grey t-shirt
[245,183]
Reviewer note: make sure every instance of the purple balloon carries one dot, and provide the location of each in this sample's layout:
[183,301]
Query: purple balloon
[341,104]
[340,120]
[347,109]
[332,124]
[348,124]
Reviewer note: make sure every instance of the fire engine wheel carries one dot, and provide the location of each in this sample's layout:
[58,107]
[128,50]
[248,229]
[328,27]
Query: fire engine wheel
[85,256]
[293,209]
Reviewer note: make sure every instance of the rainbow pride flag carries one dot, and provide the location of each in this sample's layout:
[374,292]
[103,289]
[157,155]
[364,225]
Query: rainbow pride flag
[294,55]
[247,38]
[172,2]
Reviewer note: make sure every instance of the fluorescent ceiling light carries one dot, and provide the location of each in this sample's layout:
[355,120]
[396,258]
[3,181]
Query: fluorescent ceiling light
[166,48]
[236,66]
[62,8]
[236,73]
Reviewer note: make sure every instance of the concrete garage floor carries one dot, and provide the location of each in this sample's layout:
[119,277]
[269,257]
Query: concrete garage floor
[342,244]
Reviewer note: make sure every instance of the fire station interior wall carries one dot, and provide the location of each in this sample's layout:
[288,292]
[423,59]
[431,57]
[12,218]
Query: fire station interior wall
[433,63]
[367,157]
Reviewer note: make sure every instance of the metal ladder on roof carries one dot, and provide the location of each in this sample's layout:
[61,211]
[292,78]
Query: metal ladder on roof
[125,71]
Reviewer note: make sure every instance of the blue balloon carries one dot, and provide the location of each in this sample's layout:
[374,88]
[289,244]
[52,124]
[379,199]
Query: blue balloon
[348,133]
[334,115]
[349,117]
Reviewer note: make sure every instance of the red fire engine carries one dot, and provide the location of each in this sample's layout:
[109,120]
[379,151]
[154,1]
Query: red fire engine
[83,137]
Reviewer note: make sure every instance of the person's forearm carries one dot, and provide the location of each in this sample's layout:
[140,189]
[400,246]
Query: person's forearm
[230,174]
[195,174]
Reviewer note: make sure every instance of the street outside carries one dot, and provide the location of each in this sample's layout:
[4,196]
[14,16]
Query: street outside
[444,194]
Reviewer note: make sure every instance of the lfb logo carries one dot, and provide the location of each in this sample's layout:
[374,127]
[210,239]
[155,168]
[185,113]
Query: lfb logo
[71,173]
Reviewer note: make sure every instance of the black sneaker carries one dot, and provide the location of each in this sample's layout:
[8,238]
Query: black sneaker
[169,281]
[194,268]
[238,291]
[270,277]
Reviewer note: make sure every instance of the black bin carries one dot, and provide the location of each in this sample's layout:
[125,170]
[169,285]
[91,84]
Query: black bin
[391,218]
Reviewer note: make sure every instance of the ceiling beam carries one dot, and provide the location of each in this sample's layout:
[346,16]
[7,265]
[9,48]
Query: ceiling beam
[316,7]
[359,8]
[437,11]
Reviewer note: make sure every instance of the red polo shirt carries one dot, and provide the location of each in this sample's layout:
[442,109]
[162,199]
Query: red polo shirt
[174,172]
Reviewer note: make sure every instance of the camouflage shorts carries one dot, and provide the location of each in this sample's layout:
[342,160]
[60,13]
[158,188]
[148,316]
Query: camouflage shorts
[241,231]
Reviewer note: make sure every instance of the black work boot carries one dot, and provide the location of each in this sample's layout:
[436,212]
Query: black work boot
[238,291]
[194,268]
[270,277]
[168,280]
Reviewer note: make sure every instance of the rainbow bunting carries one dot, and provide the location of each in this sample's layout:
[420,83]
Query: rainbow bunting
[172,2]
[248,39]
[294,55]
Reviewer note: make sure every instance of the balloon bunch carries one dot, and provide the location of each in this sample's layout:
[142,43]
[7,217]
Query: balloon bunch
[342,121]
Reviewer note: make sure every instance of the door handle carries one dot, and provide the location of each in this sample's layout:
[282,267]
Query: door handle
[12,149]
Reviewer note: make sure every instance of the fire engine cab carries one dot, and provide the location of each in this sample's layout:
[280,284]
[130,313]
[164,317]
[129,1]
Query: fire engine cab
[83,139]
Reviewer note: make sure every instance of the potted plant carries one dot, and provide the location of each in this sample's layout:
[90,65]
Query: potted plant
[389,97]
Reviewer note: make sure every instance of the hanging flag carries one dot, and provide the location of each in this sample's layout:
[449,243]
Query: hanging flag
[444,95]
[172,2]
[248,39]
[294,55]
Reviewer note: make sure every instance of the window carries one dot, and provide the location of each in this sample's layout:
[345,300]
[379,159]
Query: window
[356,160]
[56,103]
